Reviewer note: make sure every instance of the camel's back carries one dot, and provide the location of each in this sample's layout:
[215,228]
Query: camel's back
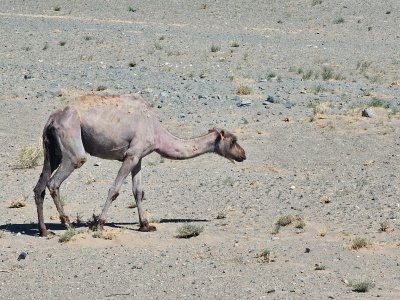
[113,122]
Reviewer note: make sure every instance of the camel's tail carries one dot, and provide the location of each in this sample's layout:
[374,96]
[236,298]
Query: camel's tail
[52,159]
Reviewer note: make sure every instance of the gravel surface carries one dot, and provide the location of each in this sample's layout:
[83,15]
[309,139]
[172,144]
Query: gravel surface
[311,68]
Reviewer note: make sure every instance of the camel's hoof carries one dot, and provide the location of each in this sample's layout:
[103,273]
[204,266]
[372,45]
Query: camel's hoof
[46,233]
[147,228]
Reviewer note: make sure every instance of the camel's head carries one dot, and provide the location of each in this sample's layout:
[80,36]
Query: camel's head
[226,145]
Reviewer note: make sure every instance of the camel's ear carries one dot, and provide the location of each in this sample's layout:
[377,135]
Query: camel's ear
[221,132]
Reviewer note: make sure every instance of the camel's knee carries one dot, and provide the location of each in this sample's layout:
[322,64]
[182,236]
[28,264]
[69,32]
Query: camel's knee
[79,162]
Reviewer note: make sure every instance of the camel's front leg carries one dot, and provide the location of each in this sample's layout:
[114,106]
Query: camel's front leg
[137,190]
[127,166]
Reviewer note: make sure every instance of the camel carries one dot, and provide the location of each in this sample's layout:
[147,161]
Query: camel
[119,128]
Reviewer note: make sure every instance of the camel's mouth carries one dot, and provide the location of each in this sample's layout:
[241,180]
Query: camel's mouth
[240,158]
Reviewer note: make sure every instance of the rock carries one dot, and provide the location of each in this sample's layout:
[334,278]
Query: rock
[22,255]
[164,94]
[369,113]
[244,102]
[270,99]
[54,90]
[27,76]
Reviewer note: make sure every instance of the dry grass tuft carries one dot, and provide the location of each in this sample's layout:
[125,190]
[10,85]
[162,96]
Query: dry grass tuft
[28,156]
[189,230]
[244,90]
[107,235]
[266,256]
[359,243]
[19,203]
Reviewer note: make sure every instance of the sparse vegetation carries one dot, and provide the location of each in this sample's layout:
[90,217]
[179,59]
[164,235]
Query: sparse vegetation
[46,46]
[221,215]
[300,224]
[318,89]
[384,226]
[189,230]
[132,204]
[316,2]
[28,156]
[67,236]
[359,243]
[56,8]
[377,102]
[154,220]
[327,73]
[243,90]
[132,64]
[307,75]
[235,44]
[229,181]
[338,20]
[19,203]
[363,66]
[88,38]
[319,267]
[131,9]
[103,234]
[361,286]
[215,48]
[266,256]
[62,43]
[286,220]
[101,88]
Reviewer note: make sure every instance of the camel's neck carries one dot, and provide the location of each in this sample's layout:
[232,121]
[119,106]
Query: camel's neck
[175,148]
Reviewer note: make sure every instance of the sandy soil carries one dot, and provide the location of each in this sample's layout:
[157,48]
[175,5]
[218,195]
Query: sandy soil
[311,67]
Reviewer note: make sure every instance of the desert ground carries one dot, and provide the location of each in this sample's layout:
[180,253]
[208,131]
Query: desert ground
[289,78]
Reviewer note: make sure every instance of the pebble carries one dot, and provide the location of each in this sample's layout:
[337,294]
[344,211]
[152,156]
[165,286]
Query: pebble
[244,102]
[369,113]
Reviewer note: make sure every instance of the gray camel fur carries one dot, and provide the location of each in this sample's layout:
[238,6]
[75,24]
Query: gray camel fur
[117,128]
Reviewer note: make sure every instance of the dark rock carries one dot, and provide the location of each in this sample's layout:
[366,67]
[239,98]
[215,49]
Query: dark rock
[22,255]
[369,113]
[270,99]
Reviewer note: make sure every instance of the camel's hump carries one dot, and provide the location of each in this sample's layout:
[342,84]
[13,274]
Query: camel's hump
[93,101]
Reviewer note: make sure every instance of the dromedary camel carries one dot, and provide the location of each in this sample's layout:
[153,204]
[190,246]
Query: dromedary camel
[118,128]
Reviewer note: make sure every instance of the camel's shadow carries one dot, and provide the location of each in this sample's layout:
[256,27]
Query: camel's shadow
[32,229]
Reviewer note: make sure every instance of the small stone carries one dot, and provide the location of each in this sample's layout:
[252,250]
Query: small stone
[22,255]
[270,99]
[369,113]
[54,90]
[244,102]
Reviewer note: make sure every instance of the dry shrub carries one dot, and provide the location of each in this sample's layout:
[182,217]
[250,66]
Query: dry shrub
[266,256]
[19,203]
[107,235]
[28,156]
[359,243]
[243,90]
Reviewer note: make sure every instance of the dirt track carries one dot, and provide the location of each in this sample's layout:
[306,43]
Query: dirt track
[309,150]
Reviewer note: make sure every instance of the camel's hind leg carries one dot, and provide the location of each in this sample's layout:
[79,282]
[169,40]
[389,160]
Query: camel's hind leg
[73,156]
[138,193]
[128,164]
